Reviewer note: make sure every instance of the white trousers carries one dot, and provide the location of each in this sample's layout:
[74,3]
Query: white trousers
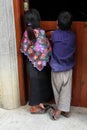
[62,88]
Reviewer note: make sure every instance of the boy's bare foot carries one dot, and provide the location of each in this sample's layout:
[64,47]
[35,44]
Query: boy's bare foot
[54,114]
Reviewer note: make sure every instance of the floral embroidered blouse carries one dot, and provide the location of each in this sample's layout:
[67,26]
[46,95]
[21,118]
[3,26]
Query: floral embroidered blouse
[39,52]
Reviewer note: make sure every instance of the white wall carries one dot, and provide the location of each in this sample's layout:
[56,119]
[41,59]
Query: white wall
[9,83]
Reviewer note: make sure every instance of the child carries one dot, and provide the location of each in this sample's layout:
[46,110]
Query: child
[62,63]
[36,47]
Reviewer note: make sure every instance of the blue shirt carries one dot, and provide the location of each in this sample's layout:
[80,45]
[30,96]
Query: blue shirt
[62,57]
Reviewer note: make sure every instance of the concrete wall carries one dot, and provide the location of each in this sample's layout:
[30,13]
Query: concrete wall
[9,83]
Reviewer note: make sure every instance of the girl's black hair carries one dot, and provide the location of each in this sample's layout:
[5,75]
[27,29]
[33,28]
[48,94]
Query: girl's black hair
[64,20]
[32,21]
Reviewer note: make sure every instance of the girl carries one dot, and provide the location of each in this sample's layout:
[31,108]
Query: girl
[36,47]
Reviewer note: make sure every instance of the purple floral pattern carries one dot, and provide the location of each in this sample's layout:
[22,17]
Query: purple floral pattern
[39,52]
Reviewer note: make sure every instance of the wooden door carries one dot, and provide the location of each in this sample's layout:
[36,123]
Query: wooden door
[83,99]
[19,26]
[79,93]
[79,90]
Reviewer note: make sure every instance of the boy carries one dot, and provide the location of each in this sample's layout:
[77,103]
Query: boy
[62,63]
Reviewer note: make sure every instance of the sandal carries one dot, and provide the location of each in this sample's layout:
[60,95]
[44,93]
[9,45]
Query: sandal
[41,111]
[65,114]
[47,106]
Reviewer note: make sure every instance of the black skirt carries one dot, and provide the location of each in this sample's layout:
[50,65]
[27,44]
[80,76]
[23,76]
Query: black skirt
[40,85]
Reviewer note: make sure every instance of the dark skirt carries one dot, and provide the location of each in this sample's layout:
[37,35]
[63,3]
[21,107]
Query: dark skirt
[40,85]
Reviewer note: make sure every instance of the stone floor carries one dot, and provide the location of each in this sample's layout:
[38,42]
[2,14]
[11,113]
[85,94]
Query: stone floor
[21,119]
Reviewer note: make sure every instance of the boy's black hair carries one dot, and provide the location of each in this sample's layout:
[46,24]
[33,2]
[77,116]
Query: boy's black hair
[32,21]
[64,20]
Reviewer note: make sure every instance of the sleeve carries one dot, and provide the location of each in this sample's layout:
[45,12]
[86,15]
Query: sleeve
[52,36]
[24,43]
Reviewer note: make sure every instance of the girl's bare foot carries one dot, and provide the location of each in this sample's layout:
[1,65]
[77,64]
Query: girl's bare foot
[41,106]
[34,108]
[37,109]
